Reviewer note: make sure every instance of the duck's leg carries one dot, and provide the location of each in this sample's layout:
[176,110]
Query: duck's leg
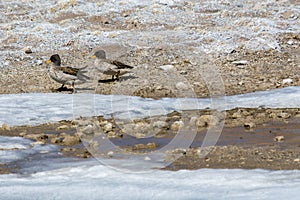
[73,87]
[61,88]
[118,76]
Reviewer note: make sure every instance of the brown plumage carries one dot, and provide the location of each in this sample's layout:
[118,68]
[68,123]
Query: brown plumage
[106,66]
[65,75]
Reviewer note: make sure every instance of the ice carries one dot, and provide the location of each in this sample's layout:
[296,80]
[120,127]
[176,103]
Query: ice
[87,180]
[38,108]
[13,149]
[54,177]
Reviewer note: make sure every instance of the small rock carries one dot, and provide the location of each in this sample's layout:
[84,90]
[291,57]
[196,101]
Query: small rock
[140,146]
[166,2]
[56,140]
[283,115]
[62,127]
[249,125]
[290,42]
[22,134]
[287,81]
[38,137]
[279,138]
[151,145]
[240,62]
[160,124]
[181,86]
[297,160]
[207,120]
[241,83]
[27,50]
[177,125]
[147,158]
[112,134]
[67,149]
[167,67]
[193,121]
[37,143]
[272,115]
[70,140]
[108,127]
[6,127]
[236,115]
[183,72]
[110,153]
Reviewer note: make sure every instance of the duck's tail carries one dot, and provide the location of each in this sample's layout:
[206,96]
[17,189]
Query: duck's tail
[81,74]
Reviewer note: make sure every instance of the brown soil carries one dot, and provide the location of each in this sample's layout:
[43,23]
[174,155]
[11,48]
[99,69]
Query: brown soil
[149,80]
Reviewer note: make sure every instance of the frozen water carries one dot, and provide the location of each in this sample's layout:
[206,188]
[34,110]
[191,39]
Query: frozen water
[62,178]
[37,108]
[87,180]
[14,149]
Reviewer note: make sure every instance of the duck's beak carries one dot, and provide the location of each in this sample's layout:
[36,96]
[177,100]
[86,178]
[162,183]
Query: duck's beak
[94,56]
[48,62]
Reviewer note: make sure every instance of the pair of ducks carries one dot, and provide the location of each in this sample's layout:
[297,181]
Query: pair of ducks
[68,75]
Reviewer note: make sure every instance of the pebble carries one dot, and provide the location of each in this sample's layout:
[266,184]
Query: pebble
[108,127]
[181,86]
[110,153]
[70,140]
[240,62]
[283,115]
[193,121]
[177,125]
[183,72]
[287,81]
[27,50]
[297,160]
[236,115]
[37,143]
[38,137]
[67,149]
[166,2]
[290,42]
[249,125]
[147,158]
[151,145]
[160,124]
[279,138]
[62,127]
[207,120]
[6,127]
[167,67]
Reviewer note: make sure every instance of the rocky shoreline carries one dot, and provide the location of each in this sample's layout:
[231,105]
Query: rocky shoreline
[251,138]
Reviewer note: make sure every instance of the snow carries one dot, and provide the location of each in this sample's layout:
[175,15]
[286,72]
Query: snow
[38,108]
[88,180]
[66,178]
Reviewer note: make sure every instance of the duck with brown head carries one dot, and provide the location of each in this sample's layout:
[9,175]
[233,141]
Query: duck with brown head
[65,75]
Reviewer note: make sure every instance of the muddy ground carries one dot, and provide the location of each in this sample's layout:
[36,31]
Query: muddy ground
[240,71]
[251,138]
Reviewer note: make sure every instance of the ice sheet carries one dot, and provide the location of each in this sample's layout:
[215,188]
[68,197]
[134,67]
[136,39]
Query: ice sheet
[37,108]
[90,181]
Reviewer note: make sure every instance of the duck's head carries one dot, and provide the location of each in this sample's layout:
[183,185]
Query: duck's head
[54,59]
[100,54]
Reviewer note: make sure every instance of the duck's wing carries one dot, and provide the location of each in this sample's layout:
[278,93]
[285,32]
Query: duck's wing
[69,70]
[119,65]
